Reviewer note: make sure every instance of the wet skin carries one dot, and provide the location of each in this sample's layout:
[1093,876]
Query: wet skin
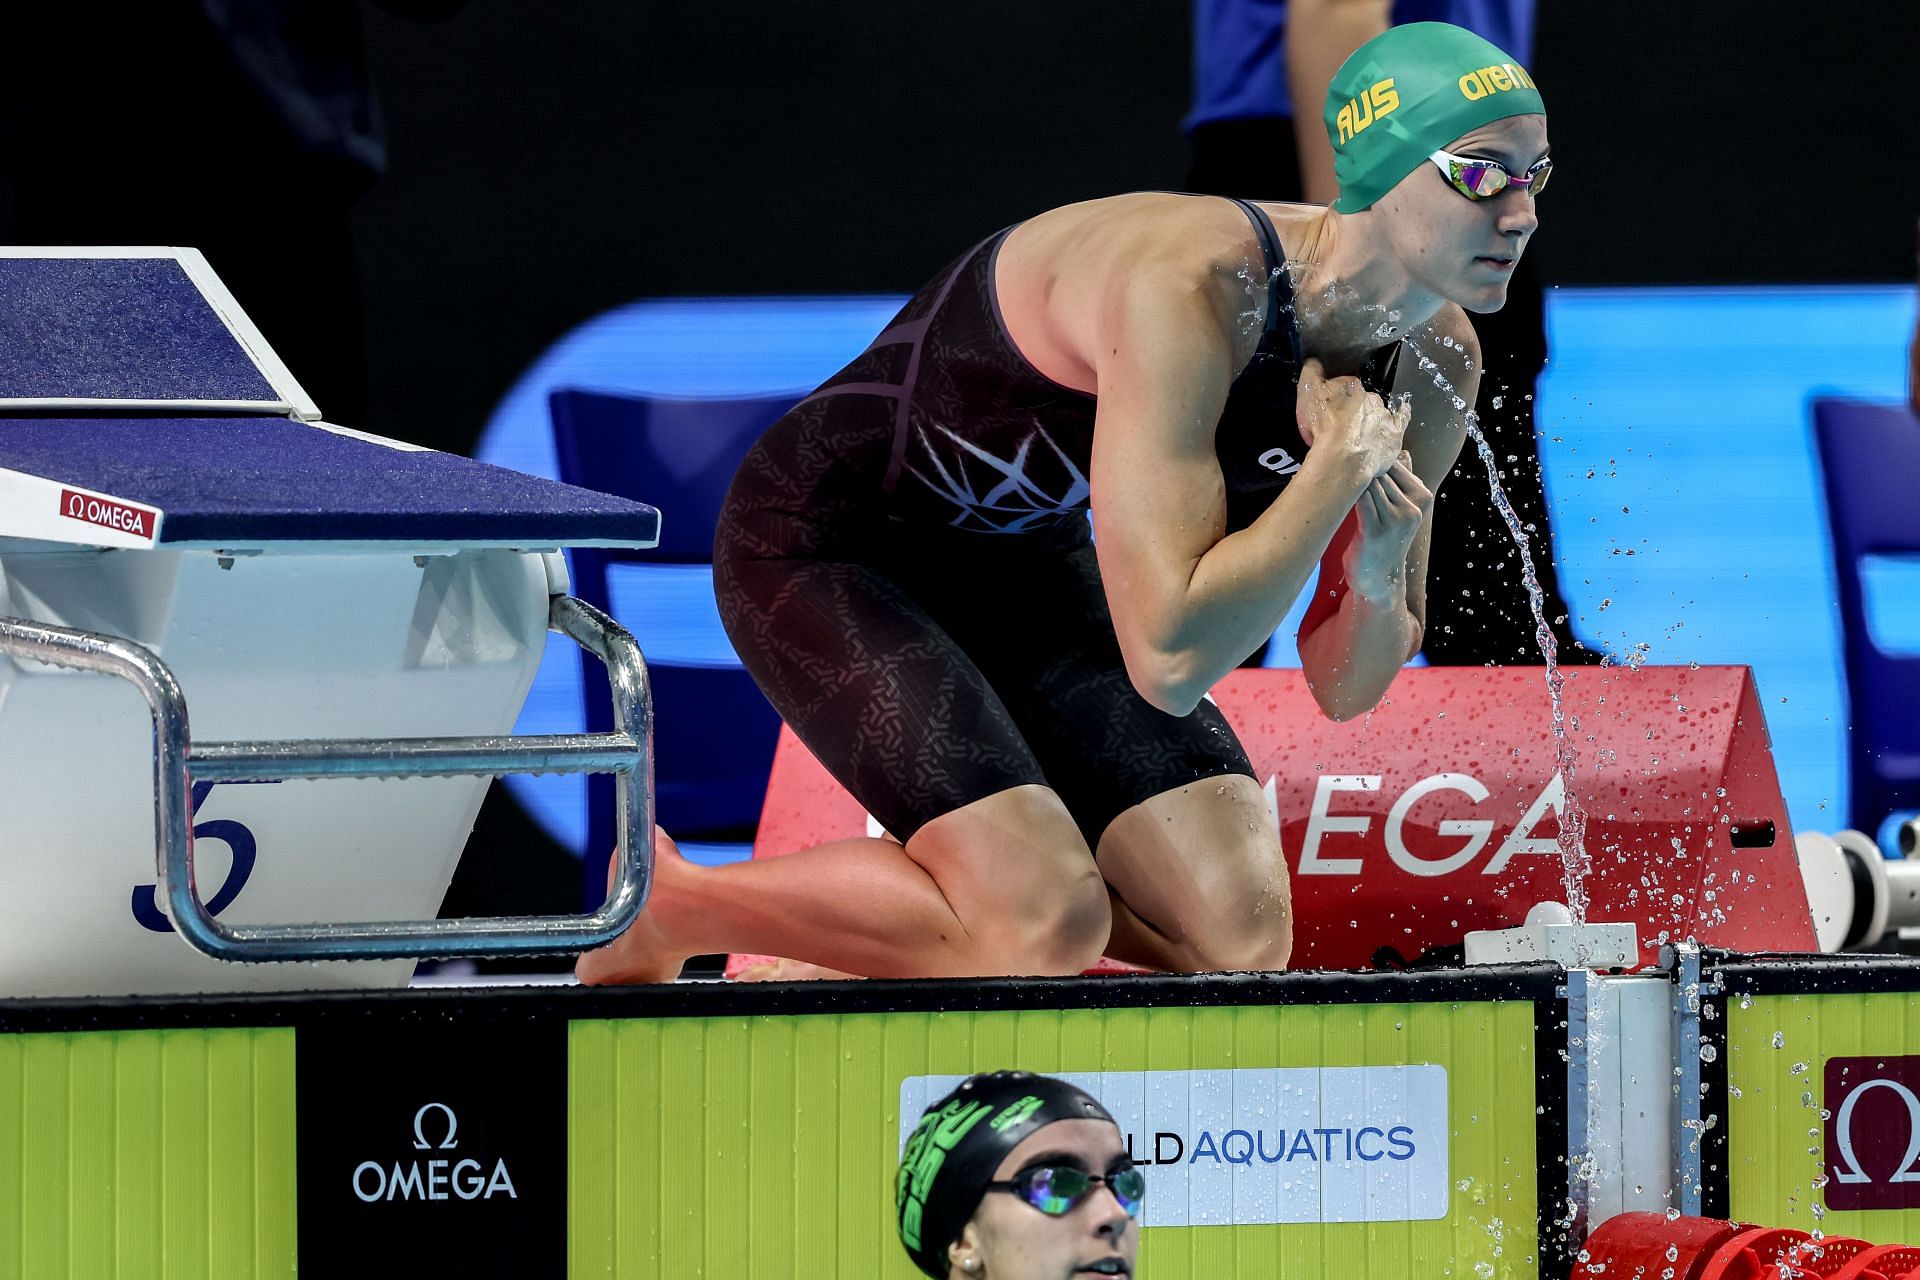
[1009,1239]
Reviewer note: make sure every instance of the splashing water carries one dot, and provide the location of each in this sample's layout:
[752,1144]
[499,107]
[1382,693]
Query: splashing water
[1575,864]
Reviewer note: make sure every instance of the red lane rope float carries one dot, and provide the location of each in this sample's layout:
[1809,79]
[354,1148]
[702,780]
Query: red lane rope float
[1821,1259]
[1651,1246]
[1883,1262]
[1751,1253]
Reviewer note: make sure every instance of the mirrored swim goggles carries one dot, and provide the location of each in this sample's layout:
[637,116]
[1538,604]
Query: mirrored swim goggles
[1485,179]
[1055,1189]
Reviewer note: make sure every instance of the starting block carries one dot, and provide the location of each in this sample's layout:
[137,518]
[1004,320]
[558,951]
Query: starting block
[178,530]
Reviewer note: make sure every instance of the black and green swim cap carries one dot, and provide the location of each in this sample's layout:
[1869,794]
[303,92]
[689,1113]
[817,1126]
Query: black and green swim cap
[960,1141]
[1407,93]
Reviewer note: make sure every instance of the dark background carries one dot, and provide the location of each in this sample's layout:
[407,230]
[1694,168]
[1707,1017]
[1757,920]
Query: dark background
[551,161]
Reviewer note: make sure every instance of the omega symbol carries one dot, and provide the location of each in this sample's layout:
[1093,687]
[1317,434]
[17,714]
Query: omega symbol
[1843,1132]
[420,1142]
[436,1178]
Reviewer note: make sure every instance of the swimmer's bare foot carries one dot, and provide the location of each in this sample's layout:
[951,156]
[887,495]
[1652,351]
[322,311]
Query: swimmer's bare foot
[788,971]
[643,953]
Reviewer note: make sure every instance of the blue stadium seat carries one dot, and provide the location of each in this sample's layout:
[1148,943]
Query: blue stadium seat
[1870,460]
[714,732]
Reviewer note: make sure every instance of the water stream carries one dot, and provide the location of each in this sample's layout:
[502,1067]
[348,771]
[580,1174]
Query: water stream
[1575,863]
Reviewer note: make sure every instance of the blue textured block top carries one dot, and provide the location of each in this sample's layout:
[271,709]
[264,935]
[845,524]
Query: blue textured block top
[117,329]
[249,481]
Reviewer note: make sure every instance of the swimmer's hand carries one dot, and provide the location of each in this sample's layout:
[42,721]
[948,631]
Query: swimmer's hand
[1340,419]
[1389,512]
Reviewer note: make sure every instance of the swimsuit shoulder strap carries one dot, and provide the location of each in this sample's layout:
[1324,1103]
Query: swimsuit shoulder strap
[1389,367]
[1279,287]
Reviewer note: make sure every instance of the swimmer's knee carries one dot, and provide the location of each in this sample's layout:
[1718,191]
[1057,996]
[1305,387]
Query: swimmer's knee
[1249,924]
[1081,924]
[1020,878]
[1060,929]
[1241,945]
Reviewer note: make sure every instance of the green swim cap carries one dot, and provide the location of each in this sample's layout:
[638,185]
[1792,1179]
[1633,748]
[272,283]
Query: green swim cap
[1407,93]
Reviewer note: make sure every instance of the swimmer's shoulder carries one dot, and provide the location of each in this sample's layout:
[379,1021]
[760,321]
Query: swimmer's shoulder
[1449,342]
[1163,234]
[1450,339]
[1297,225]
[1065,275]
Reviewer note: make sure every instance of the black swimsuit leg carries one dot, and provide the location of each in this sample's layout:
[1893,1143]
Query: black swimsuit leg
[928,668]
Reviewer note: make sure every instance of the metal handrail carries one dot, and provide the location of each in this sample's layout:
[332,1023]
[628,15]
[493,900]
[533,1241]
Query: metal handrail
[627,753]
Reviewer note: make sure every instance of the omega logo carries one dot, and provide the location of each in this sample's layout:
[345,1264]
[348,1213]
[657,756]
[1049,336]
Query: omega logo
[436,1178]
[1843,1132]
[1872,1125]
[453,1127]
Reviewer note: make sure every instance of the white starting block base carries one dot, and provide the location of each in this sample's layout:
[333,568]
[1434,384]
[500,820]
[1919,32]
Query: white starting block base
[273,646]
[168,483]
[1550,935]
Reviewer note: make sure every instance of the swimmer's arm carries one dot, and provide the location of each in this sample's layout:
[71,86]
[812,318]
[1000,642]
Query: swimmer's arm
[1190,601]
[1320,35]
[1358,633]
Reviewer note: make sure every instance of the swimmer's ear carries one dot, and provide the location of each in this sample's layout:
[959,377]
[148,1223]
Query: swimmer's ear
[964,1253]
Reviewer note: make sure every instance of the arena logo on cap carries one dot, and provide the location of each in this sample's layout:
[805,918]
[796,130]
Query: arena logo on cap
[1380,99]
[1507,76]
[1275,1145]
[927,1149]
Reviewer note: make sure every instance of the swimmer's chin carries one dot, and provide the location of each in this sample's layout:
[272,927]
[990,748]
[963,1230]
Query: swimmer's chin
[1491,278]
[1483,302]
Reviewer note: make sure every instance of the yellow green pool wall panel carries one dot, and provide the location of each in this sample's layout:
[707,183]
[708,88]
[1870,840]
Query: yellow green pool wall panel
[151,1153]
[765,1146]
[1782,1109]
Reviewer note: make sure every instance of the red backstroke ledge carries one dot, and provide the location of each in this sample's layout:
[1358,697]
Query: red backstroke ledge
[1440,812]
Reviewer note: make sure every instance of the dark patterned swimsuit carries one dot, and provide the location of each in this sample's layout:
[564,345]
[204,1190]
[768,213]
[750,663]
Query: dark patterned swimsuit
[905,565]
